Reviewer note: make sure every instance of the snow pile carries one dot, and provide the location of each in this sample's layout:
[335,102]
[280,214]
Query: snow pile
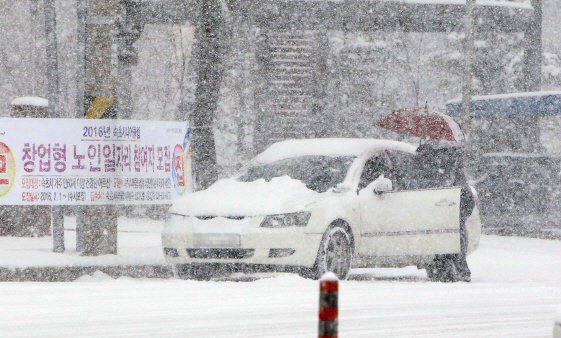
[233,198]
[550,68]
[456,55]
[551,71]
[330,276]
[455,36]
[139,242]
[98,276]
[30,101]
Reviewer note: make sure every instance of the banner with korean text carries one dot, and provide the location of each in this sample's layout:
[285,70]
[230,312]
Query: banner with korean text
[85,162]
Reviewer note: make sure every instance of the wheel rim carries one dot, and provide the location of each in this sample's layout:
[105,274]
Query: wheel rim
[337,255]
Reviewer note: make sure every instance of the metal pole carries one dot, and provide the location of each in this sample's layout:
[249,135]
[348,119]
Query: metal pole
[98,224]
[532,72]
[52,57]
[466,89]
[81,13]
[57,221]
[57,215]
[533,49]
[130,28]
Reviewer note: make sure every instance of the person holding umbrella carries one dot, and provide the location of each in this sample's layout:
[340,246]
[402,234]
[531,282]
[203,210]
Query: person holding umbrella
[439,163]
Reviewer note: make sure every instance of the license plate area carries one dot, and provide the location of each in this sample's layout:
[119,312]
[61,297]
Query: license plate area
[216,240]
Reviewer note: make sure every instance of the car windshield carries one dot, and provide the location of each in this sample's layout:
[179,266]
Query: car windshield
[318,173]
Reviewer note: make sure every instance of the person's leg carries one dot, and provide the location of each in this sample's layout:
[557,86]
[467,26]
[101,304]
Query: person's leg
[464,273]
[467,204]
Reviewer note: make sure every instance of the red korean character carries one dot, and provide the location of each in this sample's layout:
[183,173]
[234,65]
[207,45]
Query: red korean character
[29,154]
[180,169]
[118,157]
[92,152]
[123,157]
[109,158]
[143,157]
[59,155]
[44,154]
[127,158]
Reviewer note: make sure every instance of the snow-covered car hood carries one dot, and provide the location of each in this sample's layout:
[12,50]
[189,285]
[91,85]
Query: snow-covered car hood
[230,197]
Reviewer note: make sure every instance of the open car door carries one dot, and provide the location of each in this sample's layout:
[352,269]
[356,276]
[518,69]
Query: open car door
[416,217]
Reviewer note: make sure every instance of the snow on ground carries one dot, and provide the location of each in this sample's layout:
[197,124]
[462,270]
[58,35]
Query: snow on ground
[138,241]
[515,291]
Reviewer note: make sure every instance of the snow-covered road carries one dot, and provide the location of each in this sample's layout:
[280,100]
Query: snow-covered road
[515,290]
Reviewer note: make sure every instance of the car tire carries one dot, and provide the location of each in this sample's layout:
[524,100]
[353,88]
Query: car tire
[334,254]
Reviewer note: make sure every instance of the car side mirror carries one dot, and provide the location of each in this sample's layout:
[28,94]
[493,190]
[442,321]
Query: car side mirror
[341,188]
[381,184]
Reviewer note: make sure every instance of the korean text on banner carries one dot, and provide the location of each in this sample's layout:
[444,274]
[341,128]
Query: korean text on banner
[85,162]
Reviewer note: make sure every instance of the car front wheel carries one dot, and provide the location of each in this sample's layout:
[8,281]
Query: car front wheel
[335,253]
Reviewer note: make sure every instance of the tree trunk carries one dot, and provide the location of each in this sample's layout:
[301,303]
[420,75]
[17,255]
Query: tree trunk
[209,54]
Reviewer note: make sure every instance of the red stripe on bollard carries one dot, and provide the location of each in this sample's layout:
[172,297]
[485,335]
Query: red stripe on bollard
[328,306]
[328,313]
[328,286]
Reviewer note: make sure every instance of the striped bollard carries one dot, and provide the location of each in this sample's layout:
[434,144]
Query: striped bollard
[328,306]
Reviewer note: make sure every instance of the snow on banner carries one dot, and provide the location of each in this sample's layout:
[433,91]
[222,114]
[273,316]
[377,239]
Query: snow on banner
[85,162]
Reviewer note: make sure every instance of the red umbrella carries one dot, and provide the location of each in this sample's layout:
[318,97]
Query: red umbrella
[423,123]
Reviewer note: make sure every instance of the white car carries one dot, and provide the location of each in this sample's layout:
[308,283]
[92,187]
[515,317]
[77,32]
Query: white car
[318,205]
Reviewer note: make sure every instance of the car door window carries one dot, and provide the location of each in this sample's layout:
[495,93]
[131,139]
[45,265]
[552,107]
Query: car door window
[404,173]
[373,168]
[438,168]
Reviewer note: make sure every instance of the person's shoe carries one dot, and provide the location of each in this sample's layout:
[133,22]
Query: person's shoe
[465,278]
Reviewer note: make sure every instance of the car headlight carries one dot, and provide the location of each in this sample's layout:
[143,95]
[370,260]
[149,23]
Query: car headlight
[297,219]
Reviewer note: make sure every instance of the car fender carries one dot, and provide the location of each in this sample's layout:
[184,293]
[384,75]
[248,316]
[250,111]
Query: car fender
[331,208]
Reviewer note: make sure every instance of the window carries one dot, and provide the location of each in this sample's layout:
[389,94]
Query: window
[404,171]
[373,168]
[319,173]
[428,169]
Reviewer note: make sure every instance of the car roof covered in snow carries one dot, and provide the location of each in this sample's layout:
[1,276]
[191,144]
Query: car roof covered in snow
[328,147]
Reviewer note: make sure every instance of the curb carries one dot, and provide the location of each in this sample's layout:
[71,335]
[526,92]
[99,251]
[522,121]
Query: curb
[71,273]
